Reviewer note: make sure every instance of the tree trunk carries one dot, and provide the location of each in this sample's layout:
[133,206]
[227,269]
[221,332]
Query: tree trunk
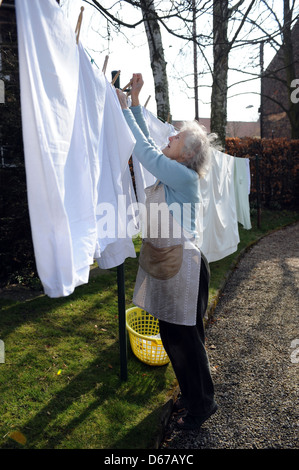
[220,71]
[288,52]
[158,63]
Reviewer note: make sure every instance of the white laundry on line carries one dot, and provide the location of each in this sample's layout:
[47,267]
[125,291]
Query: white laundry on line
[49,78]
[242,190]
[77,145]
[220,235]
[115,211]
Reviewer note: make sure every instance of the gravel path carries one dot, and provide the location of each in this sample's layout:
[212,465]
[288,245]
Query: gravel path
[253,347]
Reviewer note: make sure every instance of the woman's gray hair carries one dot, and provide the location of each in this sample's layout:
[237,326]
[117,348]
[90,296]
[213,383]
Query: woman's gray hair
[197,147]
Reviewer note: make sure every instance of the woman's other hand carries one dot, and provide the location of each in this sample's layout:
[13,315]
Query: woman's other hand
[137,84]
[122,98]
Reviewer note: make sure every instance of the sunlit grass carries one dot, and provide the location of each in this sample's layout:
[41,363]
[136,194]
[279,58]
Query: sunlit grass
[60,384]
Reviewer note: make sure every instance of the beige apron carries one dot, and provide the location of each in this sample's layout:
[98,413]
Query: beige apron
[169,266]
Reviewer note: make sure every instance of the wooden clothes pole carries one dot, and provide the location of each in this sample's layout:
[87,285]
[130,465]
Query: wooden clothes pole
[122,329]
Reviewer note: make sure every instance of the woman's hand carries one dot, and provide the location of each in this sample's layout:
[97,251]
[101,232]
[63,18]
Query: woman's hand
[122,98]
[137,83]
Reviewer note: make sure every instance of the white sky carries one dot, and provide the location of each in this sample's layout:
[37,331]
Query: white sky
[129,58]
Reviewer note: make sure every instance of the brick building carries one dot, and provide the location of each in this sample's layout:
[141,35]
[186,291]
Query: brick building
[275,122]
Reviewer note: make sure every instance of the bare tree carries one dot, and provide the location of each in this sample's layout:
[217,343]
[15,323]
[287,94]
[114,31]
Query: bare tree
[150,19]
[178,18]
[158,63]
[236,25]
[272,28]
[222,47]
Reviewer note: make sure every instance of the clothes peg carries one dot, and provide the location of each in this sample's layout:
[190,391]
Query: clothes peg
[115,77]
[147,101]
[125,87]
[105,64]
[79,22]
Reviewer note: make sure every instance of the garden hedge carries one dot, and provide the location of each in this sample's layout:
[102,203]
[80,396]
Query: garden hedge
[278,169]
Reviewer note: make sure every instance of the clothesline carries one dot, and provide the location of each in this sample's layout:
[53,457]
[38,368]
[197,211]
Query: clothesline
[91,59]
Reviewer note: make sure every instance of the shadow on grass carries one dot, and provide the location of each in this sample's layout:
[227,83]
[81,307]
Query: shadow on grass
[106,414]
[90,395]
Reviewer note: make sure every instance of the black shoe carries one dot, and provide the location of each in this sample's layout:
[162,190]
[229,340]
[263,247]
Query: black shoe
[179,406]
[190,422]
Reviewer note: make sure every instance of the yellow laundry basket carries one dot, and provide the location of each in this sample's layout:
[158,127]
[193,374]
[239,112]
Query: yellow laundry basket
[143,331]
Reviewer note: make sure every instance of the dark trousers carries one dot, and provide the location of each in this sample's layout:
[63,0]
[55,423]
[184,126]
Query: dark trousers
[185,346]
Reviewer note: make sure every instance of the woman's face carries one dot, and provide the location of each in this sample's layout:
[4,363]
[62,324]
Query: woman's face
[174,149]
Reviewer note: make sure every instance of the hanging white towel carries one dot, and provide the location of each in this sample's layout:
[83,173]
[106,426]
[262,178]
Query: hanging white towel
[220,226]
[248,174]
[115,206]
[57,142]
[241,191]
[93,92]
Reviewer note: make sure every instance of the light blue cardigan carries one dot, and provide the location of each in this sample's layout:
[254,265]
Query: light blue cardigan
[181,184]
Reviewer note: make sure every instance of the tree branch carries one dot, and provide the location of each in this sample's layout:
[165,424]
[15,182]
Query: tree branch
[242,22]
[109,17]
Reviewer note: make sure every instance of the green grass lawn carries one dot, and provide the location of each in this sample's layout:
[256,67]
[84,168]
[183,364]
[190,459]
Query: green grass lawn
[60,383]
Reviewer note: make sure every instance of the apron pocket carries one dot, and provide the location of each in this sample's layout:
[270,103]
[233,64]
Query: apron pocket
[161,263]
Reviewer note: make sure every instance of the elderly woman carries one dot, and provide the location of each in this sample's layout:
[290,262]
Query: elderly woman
[173,276]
